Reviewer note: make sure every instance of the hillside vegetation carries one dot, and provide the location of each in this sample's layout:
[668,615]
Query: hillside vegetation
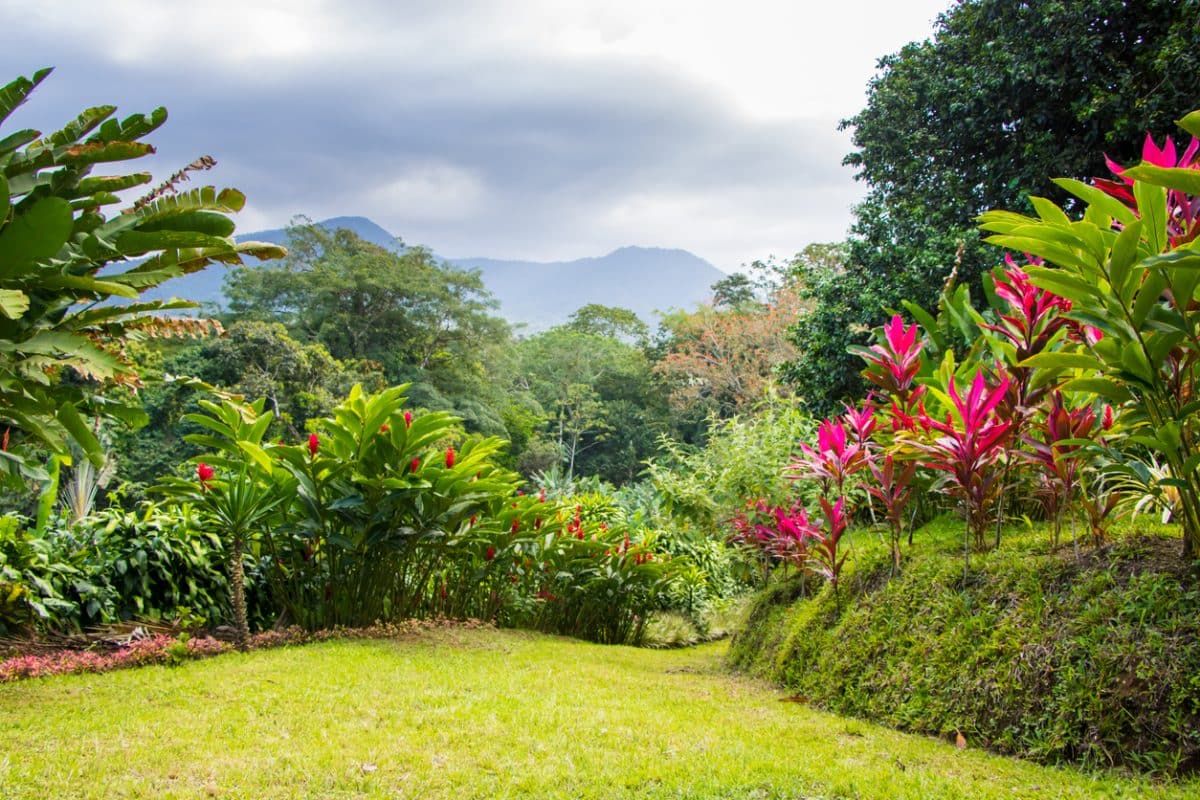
[1037,654]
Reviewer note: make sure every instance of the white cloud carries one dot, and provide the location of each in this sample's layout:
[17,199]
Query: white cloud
[428,193]
[524,128]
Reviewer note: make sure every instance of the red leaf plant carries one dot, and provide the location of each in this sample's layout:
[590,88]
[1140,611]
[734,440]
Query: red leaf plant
[1032,322]
[1183,211]
[893,487]
[893,363]
[967,451]
[1059,452]
[825,560]
[835,459]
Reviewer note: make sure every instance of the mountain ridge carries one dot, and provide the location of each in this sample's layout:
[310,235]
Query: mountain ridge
[532,295]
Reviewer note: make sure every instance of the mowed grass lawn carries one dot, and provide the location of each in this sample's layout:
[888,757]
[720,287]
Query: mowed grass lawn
[472,714]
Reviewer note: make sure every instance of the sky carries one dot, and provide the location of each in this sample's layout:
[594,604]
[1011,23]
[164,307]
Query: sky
[528,129]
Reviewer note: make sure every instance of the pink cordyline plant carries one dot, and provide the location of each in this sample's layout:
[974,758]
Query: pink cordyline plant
[1183,211]
[894,362]
[826,560]
[893,487]
[834,460]
[1058,452]
[1032,322]
[778,533]
[967,450]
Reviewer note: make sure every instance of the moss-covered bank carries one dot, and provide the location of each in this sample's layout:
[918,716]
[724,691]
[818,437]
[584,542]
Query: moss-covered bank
[1095,661]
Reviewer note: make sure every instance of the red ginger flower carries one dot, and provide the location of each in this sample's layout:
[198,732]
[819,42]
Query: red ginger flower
[205,473]
[408,419]
[490,554]
[313,442]
[414,464]
[449,457]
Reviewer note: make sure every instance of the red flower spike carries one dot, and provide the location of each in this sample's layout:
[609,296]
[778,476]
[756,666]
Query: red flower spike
[1108,418]
[408,419]
[516,525]
[384,428]
[490,554]
[205,473]
[449,458]
[414,464]
[313,443]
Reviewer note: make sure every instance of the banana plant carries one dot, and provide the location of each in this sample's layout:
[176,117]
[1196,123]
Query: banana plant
[75,259]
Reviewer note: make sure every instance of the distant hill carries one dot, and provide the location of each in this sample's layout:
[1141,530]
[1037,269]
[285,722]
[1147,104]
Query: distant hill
[642,279]
[538,295]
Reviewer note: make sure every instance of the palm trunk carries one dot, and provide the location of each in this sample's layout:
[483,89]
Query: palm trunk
[237,587]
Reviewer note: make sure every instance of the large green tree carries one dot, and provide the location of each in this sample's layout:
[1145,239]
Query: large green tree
[1004,97]
[601,410]
[424,322]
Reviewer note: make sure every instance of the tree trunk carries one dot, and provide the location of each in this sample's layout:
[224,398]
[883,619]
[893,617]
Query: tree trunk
[237,588]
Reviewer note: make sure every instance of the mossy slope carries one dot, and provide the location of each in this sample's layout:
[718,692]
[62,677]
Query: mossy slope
[1094,661]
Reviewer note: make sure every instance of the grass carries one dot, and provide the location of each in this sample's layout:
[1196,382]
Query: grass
[478,714]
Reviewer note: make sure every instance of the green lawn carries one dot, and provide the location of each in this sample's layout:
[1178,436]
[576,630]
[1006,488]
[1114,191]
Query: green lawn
[473,714]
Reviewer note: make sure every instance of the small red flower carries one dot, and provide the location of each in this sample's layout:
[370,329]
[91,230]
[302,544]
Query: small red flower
[408,419]
[313,443]
[542,496]
[1107,422]
[520,492]
[205,473]
[416,462]
[449,457]
[384,428]
[473,518]
[516,525]
[491,553]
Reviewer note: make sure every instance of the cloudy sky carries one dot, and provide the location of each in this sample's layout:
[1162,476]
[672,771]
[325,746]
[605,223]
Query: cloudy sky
[533,129]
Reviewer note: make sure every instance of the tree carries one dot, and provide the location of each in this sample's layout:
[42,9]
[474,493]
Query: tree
[64,325]
[601,410]
[610,321]
[1003,96]
[424,322]
[733,291]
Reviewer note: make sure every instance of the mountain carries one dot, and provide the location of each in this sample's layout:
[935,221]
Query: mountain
[537,295]
[643,279]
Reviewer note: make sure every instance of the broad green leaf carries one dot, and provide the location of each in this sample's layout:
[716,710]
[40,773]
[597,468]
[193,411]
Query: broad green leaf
[1176,259]
[1124,252]
[1108,389]
[37,234]
[1063,283]
[82,433]
[1060,360]
[89,285]
[1181,178]
[1148,296]
[1152,206]
[99,152]
[1098,199]
[1191,123]
[205,222]
[13,303]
